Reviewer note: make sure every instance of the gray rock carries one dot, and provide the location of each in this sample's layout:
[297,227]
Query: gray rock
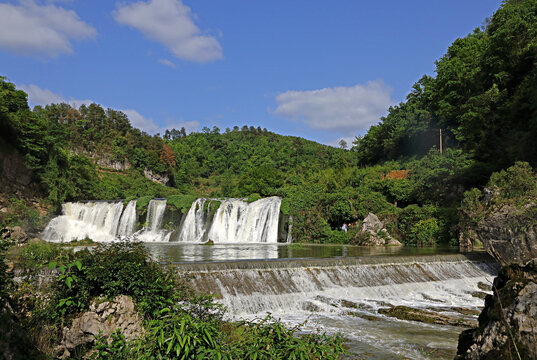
[376,234]
[18,235]
[102,319]
[158,178]
[372,223]
[508,323]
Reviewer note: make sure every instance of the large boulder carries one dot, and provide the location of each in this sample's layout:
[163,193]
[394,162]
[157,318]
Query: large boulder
[102,319]
[508,323]
[374,234]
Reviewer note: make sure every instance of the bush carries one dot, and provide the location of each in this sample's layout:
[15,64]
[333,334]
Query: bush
[112,270]
[424,232]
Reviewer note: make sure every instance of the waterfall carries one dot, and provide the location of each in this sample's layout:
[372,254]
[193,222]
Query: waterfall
[298,286]
[127,224]
[95,220]
[290,230]
[194,226]
[235,221]
[153,232]
[241,222]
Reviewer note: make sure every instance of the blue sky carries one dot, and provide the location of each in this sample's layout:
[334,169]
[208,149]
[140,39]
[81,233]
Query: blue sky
[318,69]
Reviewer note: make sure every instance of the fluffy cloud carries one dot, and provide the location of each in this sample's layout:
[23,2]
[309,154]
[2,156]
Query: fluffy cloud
[342,109]
[171,23]
[39,96]
[148,125]
[30,29]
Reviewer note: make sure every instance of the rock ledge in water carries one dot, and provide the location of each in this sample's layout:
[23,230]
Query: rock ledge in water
[428,317]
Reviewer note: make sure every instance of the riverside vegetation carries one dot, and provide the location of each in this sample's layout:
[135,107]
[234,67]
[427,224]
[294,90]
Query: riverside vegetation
[482,97]
[176,323]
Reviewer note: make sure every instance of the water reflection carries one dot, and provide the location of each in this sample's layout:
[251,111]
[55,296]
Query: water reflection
[178,253]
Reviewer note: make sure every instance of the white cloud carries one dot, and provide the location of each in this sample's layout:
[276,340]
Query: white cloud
[30,29]
[170,22]
[149,126]
[39,96]
[341,109]
[167,63]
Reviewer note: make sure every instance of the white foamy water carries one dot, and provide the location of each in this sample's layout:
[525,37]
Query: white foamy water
[127,224]
[345,295]
[242,222]
[235,221]
[153,231]
[95,220]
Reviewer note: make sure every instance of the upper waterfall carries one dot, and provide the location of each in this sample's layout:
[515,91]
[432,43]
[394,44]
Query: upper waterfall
[238,221]
[127,224]
[219,220]
[98,221]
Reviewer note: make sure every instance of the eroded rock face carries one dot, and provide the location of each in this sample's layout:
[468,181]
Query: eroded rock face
[508,323]
[505,227]
[155,177]
[102,319]
[508,236]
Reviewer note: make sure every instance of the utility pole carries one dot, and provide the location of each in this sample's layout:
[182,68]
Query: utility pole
[440,141]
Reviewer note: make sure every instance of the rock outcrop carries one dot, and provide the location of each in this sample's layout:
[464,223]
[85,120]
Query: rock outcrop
[102,319]
[375,233]
[155,177]
[503,217]
[508,323]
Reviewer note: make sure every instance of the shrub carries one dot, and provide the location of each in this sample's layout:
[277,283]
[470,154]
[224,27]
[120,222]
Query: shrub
[424,232]
[112,270]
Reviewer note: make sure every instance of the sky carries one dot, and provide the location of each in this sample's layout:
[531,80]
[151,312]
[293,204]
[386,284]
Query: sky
[319,69]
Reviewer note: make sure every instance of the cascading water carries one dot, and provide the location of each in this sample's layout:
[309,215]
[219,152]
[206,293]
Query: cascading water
[344,295]
[235,221]
[241,222]
[194,226]
[127,224]
[289,238]
[153,231]
[96,220]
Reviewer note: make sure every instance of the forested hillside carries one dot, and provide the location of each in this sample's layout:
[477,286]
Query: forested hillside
[483,98]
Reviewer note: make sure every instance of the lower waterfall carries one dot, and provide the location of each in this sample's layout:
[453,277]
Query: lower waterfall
[344,295]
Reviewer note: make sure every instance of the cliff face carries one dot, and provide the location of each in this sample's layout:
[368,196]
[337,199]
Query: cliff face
[508,323]
[503,218]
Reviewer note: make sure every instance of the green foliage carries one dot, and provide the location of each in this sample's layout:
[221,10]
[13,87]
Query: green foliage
[515,182]
[181,202]
[143,202]
[37,254]
[424,232]
[5,276]
[20,214]
[270,339]
[111,270]
[117,349]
